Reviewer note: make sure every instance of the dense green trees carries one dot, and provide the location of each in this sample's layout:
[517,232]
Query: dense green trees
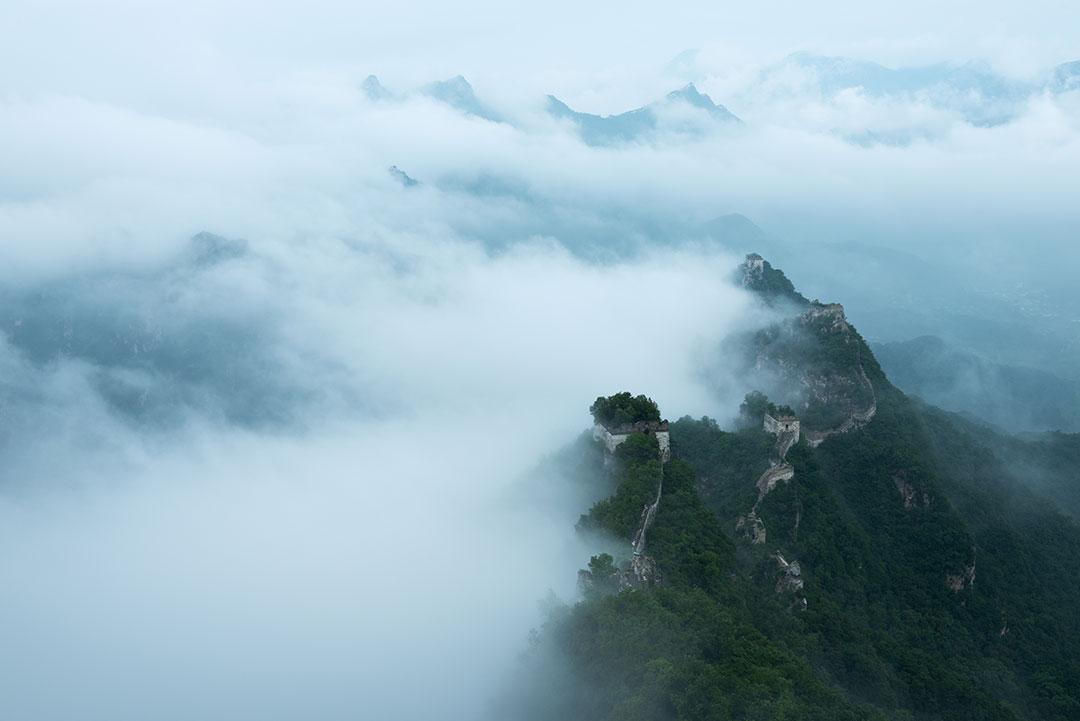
[623,408]
[941,578]
[638,477]
[883,636]
[756,405]
[690,649]
[772,285]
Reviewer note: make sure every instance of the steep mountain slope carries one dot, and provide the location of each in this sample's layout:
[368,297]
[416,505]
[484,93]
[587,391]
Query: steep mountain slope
[459,94]
[1013,397]
[874,558]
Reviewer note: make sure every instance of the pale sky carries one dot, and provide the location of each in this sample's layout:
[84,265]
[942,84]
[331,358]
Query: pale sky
[113,45]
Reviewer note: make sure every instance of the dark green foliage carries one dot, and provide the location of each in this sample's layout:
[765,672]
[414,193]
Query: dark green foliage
[604,575]
[677,654]
[688,650]
[941,579]
[637,479]
[686,539]
[883,623]
[623,409]
[1028,562]
[883,636]
[756,405]
[773,286]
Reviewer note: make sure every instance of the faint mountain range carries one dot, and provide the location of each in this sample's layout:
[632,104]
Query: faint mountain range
[375,90]
[972,89]
[1065,78]
[455,92]
[158,343]
[1013,397]
[740,235]
[459,94]
[685,111]
[838,73]
[640,123]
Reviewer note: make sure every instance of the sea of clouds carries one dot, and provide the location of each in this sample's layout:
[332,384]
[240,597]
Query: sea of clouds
[276,472]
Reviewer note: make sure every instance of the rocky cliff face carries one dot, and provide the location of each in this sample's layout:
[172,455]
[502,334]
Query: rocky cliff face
[812,359]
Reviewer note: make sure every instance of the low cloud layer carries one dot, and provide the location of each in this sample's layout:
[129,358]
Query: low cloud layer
[174,560]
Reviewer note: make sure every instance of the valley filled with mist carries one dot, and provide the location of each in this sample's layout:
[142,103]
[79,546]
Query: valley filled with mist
[479,363]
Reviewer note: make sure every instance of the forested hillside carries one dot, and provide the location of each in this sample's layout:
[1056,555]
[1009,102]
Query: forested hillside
[902,571]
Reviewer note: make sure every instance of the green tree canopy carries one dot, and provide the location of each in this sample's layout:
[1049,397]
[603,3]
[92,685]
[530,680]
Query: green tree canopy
[756,405]
[623,408]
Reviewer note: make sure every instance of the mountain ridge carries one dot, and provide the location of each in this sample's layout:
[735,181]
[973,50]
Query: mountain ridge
[901,571]
[637,124]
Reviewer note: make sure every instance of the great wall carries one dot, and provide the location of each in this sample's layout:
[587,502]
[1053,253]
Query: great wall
[641,570]
[787,431]
[611,438]
[855,420]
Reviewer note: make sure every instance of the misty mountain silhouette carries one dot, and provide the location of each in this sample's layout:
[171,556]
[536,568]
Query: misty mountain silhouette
[638,124]
[1011,397]
[1065,78]
[973,89]
[374,89]
[459,94]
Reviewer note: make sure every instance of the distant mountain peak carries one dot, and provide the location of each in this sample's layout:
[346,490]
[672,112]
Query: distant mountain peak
[559,108]
[1066,77]
[459,83]
[374,89]
[402,177]
[692,96]
[206,249]
[459,94]
[769,283]
[636,124]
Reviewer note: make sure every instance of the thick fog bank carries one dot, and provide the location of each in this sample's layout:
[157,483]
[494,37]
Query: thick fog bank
[379,549]
[899,200]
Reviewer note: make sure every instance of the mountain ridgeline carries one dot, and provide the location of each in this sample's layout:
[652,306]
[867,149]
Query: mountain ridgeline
[644,122]
[1016,398]
[842,551]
